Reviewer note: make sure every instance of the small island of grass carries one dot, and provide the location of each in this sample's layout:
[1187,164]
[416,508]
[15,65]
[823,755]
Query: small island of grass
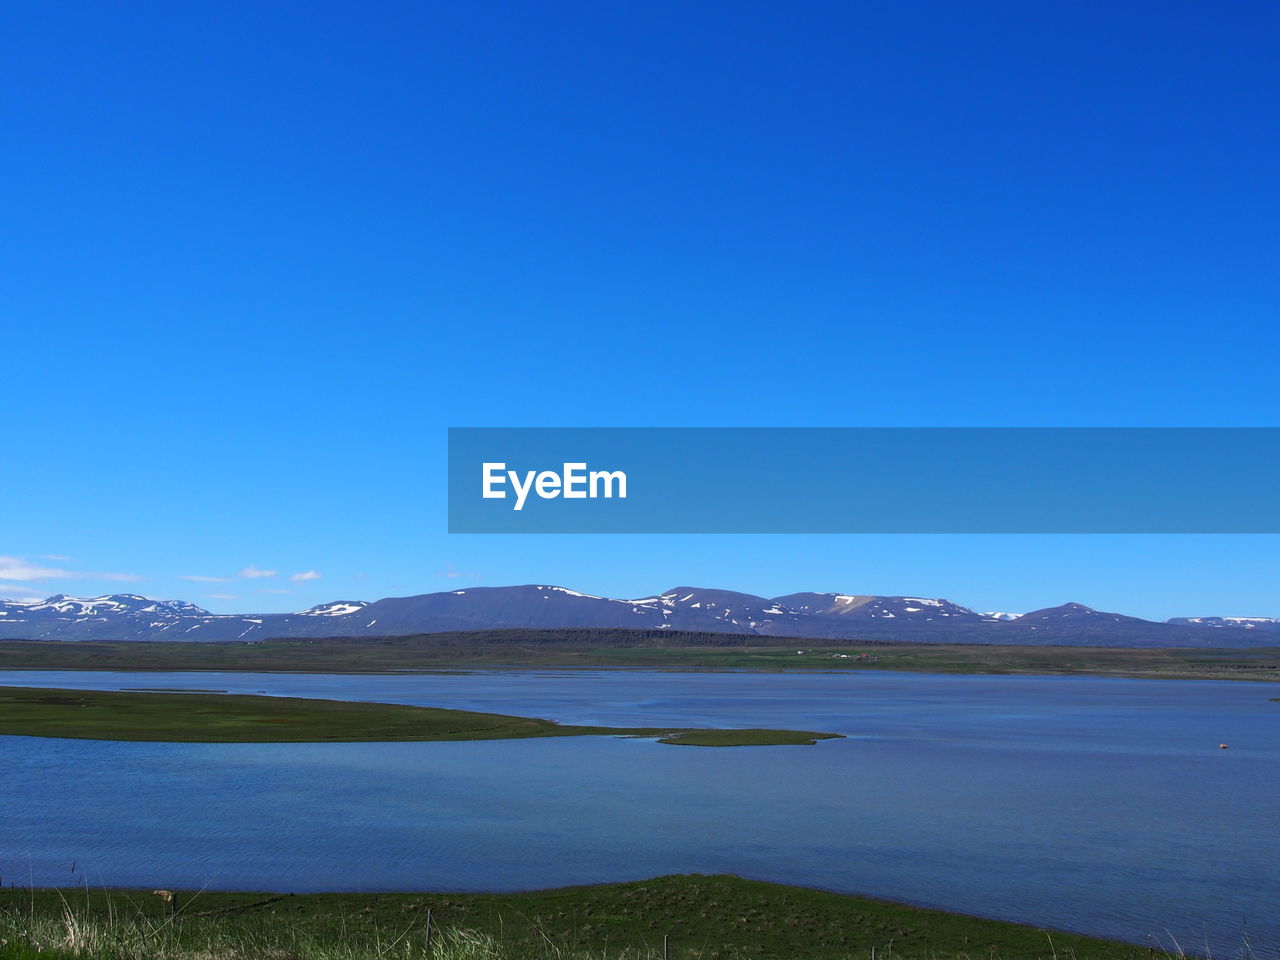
[239,718]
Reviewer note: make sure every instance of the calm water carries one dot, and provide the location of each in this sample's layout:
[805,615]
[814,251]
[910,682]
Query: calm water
[1103,806]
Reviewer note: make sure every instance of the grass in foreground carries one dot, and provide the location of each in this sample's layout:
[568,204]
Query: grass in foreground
[237,718]
[704,917]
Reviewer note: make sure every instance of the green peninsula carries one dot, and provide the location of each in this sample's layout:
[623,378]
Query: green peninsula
[238,718]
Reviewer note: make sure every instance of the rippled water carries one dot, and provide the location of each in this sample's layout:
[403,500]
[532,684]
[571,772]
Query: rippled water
[1098,805]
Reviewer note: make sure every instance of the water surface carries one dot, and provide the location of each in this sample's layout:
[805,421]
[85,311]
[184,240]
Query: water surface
[1098,805]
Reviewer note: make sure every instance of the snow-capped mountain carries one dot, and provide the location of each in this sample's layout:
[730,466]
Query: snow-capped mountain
[847,606]
[1074,613]
[1265,624]
[831,616]
[115,604]
[119,616]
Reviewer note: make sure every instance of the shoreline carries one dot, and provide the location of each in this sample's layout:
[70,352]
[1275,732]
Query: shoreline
[449,653]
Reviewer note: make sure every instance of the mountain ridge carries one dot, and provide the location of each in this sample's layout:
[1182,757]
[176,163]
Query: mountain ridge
[820,616]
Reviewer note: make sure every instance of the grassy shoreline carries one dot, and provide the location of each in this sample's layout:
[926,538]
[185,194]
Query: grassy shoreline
[707,917]
[240,718]
[617,649]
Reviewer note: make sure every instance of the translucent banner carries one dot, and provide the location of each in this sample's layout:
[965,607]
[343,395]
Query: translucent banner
[864,480]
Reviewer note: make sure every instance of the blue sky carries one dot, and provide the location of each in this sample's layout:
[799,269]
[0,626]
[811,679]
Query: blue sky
[258,258]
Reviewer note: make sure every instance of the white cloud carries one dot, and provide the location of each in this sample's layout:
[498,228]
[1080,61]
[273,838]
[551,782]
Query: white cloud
[254,573]
[304,576]
[206,579]
[55,557]
[11,591]
[451,573]
[220,596]
[19,568]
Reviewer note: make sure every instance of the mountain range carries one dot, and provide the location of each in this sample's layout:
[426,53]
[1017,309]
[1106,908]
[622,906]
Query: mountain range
[822,616]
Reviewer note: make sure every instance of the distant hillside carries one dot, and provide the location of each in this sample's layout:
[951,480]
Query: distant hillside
[820,616]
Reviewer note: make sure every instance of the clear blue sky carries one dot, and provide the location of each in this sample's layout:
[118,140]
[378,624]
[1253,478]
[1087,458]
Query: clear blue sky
[257,257]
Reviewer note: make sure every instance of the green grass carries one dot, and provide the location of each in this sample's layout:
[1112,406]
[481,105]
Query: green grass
[1258,663]
[704,917]
[236,718]
[635,648]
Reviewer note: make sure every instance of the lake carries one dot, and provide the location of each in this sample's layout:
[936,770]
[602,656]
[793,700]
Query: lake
[1103,806]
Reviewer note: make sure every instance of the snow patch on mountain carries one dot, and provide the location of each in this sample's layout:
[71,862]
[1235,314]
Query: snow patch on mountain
[336,608]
